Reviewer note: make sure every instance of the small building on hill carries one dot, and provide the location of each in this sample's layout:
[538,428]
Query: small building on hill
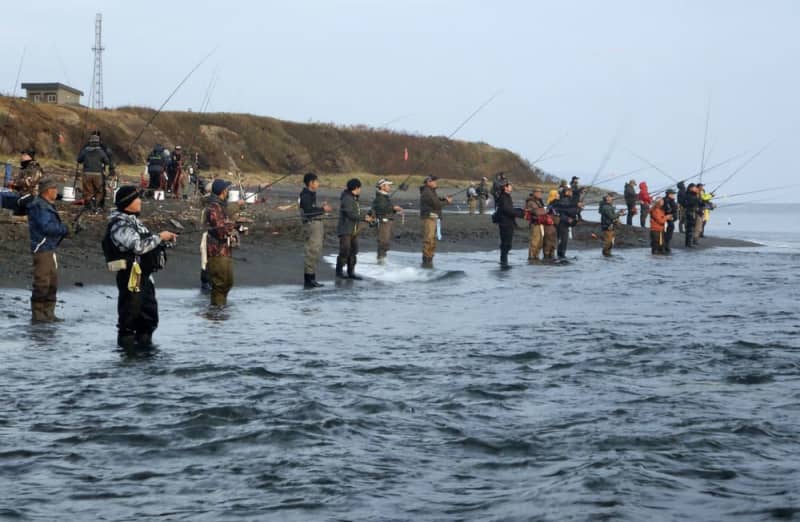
[52,93]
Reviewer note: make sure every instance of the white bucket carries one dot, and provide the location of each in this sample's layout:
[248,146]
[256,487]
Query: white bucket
[158,195]
[233,195]
[68,194]
[249,197]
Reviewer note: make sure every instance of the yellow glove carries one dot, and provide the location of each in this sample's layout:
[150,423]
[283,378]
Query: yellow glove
[134,281]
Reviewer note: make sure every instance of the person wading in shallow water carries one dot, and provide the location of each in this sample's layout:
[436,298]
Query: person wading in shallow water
[609,221]
[430,212]
[221,238]
[134,253]
[348,228]
[384,212]
[505,216]
[46,232]
[567,210]
[658,220]
[313,229]
[670,209]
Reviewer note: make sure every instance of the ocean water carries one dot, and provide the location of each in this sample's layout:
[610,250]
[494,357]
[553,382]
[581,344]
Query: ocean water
[631,388]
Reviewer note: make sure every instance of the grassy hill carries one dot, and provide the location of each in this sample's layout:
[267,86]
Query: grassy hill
[248,143]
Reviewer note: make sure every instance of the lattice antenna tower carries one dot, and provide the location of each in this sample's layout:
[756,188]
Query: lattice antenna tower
[96,98]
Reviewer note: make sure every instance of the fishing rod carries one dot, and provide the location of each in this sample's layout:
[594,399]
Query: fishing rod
[709,169]
[653,165]
[624,174]
[783,187]
[212,83]
[185,78]
[549,149]
[705,139]
[611,147]
[747,162]
[404,185]
[13,97]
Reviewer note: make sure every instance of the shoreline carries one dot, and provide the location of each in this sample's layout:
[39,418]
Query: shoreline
[271,253]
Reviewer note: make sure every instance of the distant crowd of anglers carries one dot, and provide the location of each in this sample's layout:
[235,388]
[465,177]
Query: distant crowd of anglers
[134,253]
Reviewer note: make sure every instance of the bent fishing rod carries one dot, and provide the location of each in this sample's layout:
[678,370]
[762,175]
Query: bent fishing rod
[747,162]
[705,139]
[175,90]
[709,169]
[404,185]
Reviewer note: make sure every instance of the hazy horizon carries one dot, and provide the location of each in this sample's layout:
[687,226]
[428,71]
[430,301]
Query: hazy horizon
[590,71]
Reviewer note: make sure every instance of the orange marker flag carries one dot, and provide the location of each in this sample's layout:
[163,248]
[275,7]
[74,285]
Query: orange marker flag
[405,154]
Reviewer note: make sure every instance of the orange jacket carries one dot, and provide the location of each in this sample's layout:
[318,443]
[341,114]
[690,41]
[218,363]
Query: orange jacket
[657,219]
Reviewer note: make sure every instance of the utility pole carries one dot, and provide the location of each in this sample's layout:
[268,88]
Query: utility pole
[96,96]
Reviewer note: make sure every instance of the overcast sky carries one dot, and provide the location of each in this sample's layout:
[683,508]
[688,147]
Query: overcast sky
[645,70]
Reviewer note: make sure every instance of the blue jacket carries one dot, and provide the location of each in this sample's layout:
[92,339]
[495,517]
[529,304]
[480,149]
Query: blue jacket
[45,226]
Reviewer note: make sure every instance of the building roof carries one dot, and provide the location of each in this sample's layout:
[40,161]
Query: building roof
[50,87]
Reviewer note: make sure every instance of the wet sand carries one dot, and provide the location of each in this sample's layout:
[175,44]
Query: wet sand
[272,250]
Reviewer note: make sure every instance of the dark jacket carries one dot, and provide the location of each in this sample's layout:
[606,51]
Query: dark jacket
[506,213]
[349,215]
[567,210]
[45,226]
[127,238]
[382,206]
[93,158]
[693,204]
[682,193]
[630,195]
[308,205]
[430,202]
[156,162]
[671,207]
[608,216]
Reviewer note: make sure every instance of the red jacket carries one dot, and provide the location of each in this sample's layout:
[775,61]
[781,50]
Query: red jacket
[657,219]
[644,195]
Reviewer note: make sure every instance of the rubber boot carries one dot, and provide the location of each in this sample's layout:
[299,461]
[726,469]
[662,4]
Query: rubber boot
[314,282]
[307,282]
[340,267]
[427,262]
[50,312]
[351,269]
[504,261]
[126,340]
[38,313]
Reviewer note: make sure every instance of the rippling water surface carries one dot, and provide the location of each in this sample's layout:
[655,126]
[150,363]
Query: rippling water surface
[633,388]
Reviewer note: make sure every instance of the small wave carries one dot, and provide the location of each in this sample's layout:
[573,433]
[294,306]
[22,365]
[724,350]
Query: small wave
[530,355]
[749,378]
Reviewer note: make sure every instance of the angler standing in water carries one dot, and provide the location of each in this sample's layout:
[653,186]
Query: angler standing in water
[693,207]
[430,213]
[645,200]
[609,220]
[567,210]
[505,216]
[681,207]
[46,232]
[219,242]
[313,229]
[134,253]
[538,218]
[347,229]
[631,197]
[671,211]
[384,212]
[658,220]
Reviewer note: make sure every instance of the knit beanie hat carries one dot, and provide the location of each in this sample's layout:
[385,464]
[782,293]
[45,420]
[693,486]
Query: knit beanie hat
[125,196]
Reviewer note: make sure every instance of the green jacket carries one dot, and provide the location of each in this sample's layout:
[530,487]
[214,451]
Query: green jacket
[382,206]
[608,215]
[349,215]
